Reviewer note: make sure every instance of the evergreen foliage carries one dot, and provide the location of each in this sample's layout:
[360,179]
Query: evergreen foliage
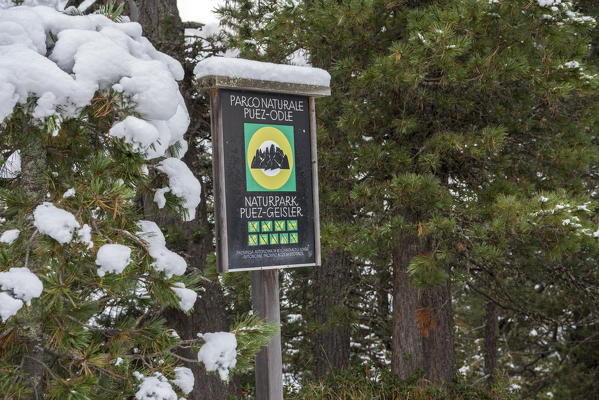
[472,126]
[90,335]
[362,384]
[465,127]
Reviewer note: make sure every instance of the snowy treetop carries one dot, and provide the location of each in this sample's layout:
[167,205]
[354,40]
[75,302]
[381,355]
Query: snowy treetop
[53,64]
[62,60]
[248,69]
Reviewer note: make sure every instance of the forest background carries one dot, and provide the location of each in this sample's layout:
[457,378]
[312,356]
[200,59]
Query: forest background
[458,160]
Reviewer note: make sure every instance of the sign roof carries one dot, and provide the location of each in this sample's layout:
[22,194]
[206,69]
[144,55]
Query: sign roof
[238,73]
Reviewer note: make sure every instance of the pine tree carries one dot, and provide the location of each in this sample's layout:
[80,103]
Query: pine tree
[471,127]
[464,132]
[163,26]
[84,278]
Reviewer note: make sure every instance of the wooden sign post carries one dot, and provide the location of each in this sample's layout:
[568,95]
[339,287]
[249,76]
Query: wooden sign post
[265,181]
[269,361]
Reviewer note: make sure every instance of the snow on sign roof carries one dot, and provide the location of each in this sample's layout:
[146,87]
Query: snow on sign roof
[247,74]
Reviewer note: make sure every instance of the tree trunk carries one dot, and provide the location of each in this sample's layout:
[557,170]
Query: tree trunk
[422,320]
[331,342]
[407,355]
[439,359]
[160,20]
[161,24]
[209,314]
[163,27]
[383,314]
[34,183]
[491,336]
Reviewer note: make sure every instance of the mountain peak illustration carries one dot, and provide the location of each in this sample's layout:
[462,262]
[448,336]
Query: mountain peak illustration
[271,158]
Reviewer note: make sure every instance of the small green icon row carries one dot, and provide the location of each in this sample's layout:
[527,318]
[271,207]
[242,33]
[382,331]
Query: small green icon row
[273,238]
[270,226]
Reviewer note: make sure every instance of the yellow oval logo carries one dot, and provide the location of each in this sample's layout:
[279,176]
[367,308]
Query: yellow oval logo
[270,158]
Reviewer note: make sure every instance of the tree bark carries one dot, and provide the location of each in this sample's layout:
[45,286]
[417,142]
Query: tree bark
[491,336]
[439,359]
[422,320]
[332,340]
[209,313]
[407,356]
[34,183]
[162,25]
[160,20]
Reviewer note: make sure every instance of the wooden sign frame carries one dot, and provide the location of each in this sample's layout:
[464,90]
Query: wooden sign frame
[265,279]
[217,85]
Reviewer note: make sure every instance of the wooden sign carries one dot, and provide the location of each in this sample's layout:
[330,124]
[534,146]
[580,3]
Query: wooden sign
[265,181]
[265,170]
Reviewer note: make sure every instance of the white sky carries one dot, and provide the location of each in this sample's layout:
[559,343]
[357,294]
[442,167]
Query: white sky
[198,10]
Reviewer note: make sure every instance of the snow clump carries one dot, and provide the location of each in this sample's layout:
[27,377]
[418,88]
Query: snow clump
[159,197]
[55,222]
[564,13]
[154,387]
[164,260]
[23,285]
[186,296]
[9,236]
[80,62]
[12,167]
[184,379]
[137,132]
[63,60]
[183,184]
[69,193]
[219,353]
[9,306]
[249,69]
[572,64]
[84,235]
[113,258]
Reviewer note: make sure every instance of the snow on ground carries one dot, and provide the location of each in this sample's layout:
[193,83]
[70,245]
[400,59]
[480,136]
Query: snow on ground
[248,69]
[55,222]
[164,260]
[219,353]
[113,258]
